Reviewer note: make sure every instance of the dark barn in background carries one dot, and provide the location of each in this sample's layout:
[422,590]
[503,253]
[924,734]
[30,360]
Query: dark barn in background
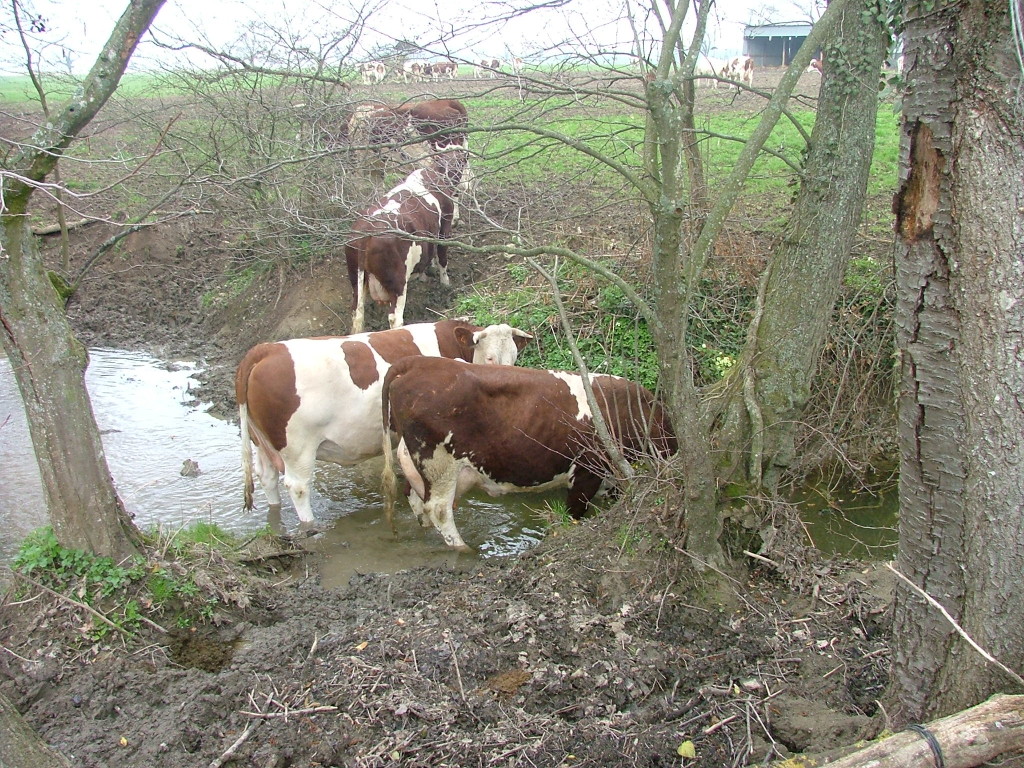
[774,45]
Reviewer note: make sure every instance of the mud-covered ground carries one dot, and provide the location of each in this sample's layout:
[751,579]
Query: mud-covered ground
[596,649]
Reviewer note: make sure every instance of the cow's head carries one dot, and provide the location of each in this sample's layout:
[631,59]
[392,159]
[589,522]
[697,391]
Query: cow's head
[495,344]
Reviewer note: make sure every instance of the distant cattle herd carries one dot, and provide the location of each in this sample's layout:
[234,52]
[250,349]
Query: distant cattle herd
[444,394]
[416,71]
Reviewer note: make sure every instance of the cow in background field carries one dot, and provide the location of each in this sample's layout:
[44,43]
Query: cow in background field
[709,70]
[517,65]
[507,429]
[373,72]
[742,69]
[816,65]
[487,68]
[403,234]
[412,71]
[407,133]
[308,399]
[441,69]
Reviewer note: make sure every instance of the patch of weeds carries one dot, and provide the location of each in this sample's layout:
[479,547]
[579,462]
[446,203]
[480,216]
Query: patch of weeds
[128,594]
[236,283]
[628,539]
[556,514]
[91,579]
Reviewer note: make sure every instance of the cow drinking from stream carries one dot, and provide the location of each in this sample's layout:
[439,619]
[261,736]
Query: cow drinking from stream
[508,429]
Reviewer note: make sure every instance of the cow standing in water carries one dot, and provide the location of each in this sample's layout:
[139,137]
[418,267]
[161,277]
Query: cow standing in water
[308,399]
[403,234]
[507,429]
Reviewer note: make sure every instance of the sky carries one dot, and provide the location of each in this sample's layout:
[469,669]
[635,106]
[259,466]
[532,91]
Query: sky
[77,30]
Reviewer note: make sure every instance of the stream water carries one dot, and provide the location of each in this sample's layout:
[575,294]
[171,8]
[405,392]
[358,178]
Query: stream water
[151,426]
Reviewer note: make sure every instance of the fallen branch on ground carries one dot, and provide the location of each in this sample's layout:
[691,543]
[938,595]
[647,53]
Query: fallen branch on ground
[964,740]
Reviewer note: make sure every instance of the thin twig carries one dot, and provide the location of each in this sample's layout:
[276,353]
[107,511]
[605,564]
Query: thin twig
[230,751]
[288,712]
[75,603]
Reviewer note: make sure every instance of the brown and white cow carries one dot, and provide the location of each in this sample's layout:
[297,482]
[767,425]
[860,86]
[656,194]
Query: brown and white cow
[373,72]
[508,429]
[487,68]
[709,71]
[403,233]
[438,122]
[442,69]
[412,71]
[747,75]
[308,399]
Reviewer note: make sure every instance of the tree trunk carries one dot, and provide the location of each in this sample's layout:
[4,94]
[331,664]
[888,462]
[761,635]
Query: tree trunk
[48,362]
[20,746]
[960,315]
[771,384]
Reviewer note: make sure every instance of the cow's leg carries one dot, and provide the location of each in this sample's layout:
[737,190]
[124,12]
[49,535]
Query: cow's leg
[417,485]
[442,261]
[298,479]
[359,300]
[396,316]
[268,477]
[439,505]
[441,509]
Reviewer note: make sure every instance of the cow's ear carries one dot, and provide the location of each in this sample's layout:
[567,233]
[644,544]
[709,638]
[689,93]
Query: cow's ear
[521,338]
[465,337]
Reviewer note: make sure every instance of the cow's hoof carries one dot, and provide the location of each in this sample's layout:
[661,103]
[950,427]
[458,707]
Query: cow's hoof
[310,529]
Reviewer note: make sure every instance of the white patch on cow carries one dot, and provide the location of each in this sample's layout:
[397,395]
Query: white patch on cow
[575,384]
[391,206]
[413,184]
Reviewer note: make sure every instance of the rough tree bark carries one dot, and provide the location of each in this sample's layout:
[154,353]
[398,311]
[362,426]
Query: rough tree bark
[48,362]
[960,316]
[769,387]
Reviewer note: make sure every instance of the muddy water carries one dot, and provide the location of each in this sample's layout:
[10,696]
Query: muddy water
[859,521]
[151,427]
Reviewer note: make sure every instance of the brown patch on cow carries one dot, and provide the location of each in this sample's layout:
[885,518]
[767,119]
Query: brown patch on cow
[917,202]
[455,339]
[266,383]
[362,367]
[394,345]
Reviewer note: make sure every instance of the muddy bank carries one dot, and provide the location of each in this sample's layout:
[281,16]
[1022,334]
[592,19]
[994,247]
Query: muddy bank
[546,660]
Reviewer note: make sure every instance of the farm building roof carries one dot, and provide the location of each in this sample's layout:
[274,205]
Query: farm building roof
[788,29]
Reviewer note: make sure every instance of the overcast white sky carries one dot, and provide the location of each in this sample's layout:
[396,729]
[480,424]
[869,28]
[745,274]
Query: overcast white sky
[77,29]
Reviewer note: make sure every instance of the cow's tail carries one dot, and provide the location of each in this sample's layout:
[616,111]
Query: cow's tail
[243,420]
[242,398]
[388,482]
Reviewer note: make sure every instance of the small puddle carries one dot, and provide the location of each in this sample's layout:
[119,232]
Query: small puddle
[849,520]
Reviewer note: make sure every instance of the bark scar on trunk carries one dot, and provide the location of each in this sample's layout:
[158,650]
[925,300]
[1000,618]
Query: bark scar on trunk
[917,201]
